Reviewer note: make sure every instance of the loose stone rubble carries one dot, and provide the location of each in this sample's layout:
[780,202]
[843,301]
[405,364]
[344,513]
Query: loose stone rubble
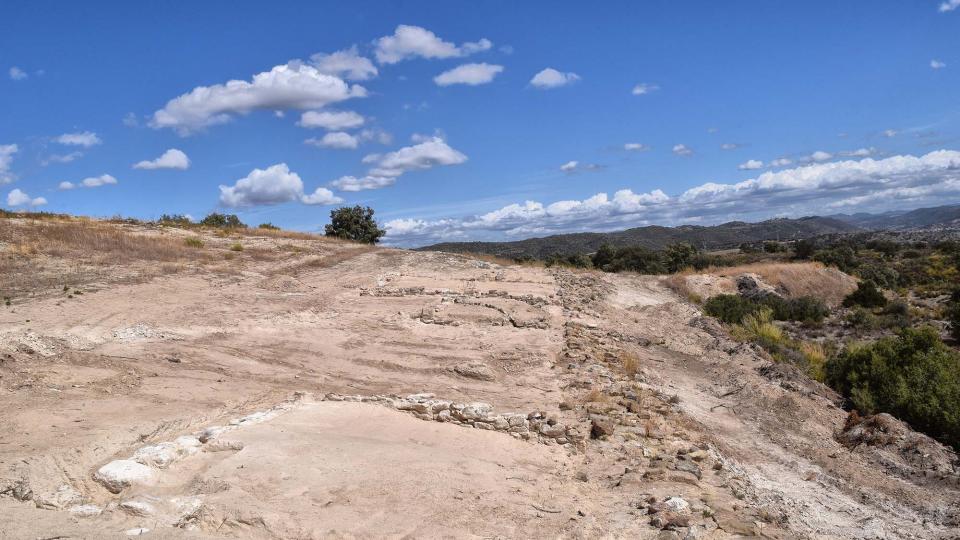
[535,426]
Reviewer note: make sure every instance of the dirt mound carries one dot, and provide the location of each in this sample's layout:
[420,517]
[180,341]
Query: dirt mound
[791,280]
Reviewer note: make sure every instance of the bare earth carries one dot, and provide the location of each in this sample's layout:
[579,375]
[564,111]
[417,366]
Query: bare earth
[305,362]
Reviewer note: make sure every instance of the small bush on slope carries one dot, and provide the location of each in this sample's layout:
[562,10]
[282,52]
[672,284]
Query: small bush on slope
[913,376]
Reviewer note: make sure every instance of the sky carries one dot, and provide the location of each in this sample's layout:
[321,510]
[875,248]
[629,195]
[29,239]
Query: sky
[492,120]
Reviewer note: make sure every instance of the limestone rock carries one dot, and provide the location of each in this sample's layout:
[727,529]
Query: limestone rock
[123,473]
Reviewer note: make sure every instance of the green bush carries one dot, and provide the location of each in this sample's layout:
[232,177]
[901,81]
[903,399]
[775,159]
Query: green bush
[867,295]
[354,223]
[731,308]
[174,220]
[804,249]
[881,274]
[269,226]
[193,242]
[913,376]
[679,256]
[863,319]
[953,315]
[843,257]
[222,220]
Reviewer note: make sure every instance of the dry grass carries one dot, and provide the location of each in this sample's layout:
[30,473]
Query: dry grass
[796,278]
[816,357]
[631,363]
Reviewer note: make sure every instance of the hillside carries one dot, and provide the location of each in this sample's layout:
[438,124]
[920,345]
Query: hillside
[936,217]
[727,235]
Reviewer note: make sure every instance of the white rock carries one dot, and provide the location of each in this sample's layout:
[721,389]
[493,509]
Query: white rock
[63,497]
[138,507]
[677,504]
[157,455]
[136,532]
[122,473]
[85,510]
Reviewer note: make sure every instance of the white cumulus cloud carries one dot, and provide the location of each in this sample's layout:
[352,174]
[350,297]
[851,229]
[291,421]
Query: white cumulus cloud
[18,198]
[469,74]
[353,183]
[274,185]
[428,152]
[569,166]
[17,74]
[333,120]
[97,181]
[335,139]
[750,165]
[868,184]
[937,64]
[949,5]
[6,159]
[781,162]
[414,41]
[171,159]
[290,86]
[636,147]
[346,64]
[85,139]
[820,155]
[551,78]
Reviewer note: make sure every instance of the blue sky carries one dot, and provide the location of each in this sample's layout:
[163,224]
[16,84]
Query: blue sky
[548,117]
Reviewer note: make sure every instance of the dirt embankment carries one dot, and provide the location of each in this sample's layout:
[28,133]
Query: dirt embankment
[299,388]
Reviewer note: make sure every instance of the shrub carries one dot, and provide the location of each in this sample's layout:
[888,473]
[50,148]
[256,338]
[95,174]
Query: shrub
[866,295]
[759,327]
[772,247]
[236,247]
[953,315]
[174,219]
[603,257]
[913,376]
[804,249]
[843,257]
[729,308]
[679,256]
[193,242]
[863,319]
[222,221]
[270,226]
[880,274]
[354,223]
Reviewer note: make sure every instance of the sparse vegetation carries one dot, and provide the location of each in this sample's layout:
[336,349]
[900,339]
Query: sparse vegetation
[269,226]
[354,223]
[236,247]
[193,241]
[732,308]
[867,295]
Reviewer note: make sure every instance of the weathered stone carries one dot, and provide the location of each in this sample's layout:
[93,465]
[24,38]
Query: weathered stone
[121,473]
[137,507]
[601,428]
[85,510]
[475,370]
[64,496]
[689,467]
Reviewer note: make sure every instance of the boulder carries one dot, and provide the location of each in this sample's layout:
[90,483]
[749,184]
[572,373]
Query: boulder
[122,473]
[475,370]
[753,287]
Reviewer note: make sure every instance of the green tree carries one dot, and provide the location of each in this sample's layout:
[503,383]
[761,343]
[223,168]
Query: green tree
[222,220]
[804,249]
[604,256]
[354,223]
[866,295]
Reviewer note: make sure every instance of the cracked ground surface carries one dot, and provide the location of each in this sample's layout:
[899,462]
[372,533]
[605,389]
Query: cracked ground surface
[748,449]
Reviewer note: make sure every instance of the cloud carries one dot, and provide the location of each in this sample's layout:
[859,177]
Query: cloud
[274,185]
[551,78]
[820,155]
[335,139]
[860,152]
[569,166]
[414,41]
[17,74]
[729,146]
[6,159]
[575,166]
[352,183]
[682,150]
[61,158]
[429,152]
[636,147]
[750,165]
[937,64]
[949,5]
[65,185]
[171,159]
[346,64]
[871,184]
[290,86]
[643,89]
[19,198]
[469,74]
[889,133]
[97,181]
[781,162]
[131,120]
[333,120]
[85,139]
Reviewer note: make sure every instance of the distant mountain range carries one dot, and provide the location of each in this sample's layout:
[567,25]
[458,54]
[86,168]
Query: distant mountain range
[726,235]
[921,218]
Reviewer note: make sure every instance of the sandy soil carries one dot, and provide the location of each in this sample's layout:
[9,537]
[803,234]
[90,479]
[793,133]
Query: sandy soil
[153,363]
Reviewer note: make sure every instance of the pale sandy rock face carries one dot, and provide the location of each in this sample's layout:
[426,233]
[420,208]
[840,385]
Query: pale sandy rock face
[122,473]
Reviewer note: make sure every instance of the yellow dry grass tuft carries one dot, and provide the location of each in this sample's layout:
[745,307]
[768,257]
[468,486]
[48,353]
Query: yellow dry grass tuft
[631,363]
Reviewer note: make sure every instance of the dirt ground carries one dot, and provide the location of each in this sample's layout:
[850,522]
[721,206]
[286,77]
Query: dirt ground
[263,393]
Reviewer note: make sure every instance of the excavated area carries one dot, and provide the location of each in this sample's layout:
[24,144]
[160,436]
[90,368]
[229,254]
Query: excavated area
[388,393]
